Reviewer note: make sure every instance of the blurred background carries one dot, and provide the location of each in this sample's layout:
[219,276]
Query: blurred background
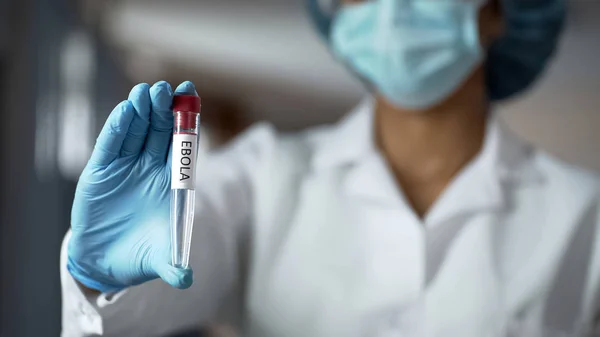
[64,64]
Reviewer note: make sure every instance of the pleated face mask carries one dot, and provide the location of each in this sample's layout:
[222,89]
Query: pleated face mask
[415,53]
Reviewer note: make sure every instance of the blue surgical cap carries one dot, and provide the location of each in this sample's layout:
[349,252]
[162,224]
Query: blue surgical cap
[515,60]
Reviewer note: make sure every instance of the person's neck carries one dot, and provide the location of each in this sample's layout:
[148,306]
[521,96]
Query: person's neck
[428,148]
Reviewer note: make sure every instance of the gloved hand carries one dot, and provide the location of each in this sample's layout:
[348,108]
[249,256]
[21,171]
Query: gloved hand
[120,216]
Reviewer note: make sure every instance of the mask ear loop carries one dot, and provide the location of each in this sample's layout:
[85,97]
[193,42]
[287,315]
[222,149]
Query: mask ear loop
[322,12]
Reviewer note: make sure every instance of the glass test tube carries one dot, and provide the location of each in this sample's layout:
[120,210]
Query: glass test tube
[186,113]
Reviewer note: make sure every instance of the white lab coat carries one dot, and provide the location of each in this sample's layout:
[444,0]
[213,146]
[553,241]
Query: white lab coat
[308,235]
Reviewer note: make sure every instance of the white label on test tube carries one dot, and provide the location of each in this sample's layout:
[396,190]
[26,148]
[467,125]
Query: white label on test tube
[185,148]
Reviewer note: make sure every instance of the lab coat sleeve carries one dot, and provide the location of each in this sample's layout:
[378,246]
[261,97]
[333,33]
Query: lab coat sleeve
[592,294]
[224,192]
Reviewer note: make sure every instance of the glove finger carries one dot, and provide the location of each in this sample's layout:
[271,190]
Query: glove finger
[138,130]
[176,277]
[169,160]
[161,122]
[109,142]
[186,88]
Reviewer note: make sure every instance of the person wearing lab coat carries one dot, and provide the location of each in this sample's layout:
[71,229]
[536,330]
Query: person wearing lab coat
[418,214]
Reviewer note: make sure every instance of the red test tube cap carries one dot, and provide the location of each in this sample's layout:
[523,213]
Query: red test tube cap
[186,109]
[186,103]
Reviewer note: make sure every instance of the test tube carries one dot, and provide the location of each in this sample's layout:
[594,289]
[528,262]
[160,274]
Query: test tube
[186,113]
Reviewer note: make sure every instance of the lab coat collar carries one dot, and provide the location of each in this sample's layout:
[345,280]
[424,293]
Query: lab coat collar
[350,140]
[504,159]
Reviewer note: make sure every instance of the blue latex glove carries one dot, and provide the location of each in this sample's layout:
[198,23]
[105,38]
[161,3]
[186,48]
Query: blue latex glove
[120,216]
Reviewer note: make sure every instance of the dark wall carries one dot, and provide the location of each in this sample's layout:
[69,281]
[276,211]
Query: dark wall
[33,212]
[35,205]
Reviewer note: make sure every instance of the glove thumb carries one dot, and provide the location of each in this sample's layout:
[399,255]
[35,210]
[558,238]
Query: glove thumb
[176,277]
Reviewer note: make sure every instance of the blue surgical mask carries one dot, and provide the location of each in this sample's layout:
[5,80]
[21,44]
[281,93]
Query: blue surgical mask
[415,53]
